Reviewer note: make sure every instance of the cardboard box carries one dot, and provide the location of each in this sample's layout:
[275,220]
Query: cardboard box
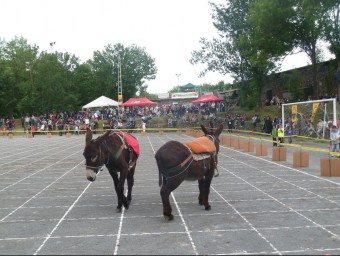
[68,135]
[179,132]
[241,144]
[248,146]
[279,154]
[226,141]
[235,143]
[161,133]
[261,150]
[301,159]
[10,136]
[49,135]
[330,167]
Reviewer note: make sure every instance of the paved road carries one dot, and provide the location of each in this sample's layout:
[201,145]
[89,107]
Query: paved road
[259,206]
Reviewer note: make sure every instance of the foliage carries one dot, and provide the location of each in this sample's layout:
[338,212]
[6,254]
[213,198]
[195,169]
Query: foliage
[292,25]
[136,67]
[236,51]
[331,30]
[293,79]
[39,82]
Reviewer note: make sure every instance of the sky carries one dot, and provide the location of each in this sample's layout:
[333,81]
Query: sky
[169,30]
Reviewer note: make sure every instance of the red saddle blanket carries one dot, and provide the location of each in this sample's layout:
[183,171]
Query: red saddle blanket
[130,140]
[201,145]
[133,143]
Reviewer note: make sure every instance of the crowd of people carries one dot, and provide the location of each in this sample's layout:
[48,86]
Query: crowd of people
[139,117]
[115,118]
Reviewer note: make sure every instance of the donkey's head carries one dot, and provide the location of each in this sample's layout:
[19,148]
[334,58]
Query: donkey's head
[213,134]
[94,155]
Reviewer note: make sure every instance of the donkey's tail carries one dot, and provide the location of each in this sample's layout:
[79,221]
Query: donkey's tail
[160,176]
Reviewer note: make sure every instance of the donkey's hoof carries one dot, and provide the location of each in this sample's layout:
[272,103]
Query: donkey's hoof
[119,209]
[200,202]
[168,217]
[208,208]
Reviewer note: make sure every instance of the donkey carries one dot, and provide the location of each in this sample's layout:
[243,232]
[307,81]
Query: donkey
[112,150]
[175,164]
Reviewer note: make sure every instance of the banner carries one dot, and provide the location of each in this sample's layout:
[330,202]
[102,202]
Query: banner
[294,109]
[184,95]
[315,108]
[294,113]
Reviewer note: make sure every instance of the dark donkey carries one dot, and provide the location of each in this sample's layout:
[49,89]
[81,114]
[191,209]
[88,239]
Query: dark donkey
[175,164]
[111,150]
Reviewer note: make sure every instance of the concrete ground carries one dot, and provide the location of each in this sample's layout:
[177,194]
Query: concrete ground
[259,206]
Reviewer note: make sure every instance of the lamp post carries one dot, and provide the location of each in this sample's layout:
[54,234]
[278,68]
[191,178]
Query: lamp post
[119,82]
[178,75]
[29,69]
[51,44]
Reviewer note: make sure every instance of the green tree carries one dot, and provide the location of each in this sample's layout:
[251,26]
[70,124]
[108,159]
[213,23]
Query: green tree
[219,87]
[84,83]
[137,66]
[17,62]
[332,28]
[236,51]
[55,86]
[293,80]
[294,24]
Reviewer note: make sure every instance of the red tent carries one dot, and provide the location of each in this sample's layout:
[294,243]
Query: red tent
[133,102]
[207,98]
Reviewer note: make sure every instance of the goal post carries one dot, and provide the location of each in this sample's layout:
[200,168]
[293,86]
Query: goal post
[306,112]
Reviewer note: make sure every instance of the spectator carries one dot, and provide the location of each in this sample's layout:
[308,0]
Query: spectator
[267,126]
[143,126]
[255,119]
[289,133]
[60,127]
[321,125]
[280,135]
[334,139]
[170,122]
[3,130]
[275,135]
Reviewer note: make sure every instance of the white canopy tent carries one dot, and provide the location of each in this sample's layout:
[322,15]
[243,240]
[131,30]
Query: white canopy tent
[102,101]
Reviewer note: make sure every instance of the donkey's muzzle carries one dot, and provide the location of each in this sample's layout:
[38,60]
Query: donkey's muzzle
[91,175]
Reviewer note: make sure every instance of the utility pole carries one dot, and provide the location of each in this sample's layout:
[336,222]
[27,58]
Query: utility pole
[178,75]
[51,44]
[119,82]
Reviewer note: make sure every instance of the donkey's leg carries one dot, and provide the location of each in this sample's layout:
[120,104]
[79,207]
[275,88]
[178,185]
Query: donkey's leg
[116,183]
[165,193]
[120,190]
[206,185]
[201,191]
[206,182]
[130,182]
[167,187]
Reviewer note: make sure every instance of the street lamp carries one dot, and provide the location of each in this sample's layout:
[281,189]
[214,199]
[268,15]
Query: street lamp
[29,69]
[51,44]
[119,82]
[178,75]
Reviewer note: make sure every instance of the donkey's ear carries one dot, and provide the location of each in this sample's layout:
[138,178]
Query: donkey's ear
[205,131]
[88,134]
[104,136]
[219,131]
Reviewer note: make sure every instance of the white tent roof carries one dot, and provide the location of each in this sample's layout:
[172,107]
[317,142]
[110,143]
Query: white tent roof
[102,101]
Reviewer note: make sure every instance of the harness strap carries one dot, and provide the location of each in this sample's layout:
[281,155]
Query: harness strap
[124,145]
[171,171]
[186,167]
